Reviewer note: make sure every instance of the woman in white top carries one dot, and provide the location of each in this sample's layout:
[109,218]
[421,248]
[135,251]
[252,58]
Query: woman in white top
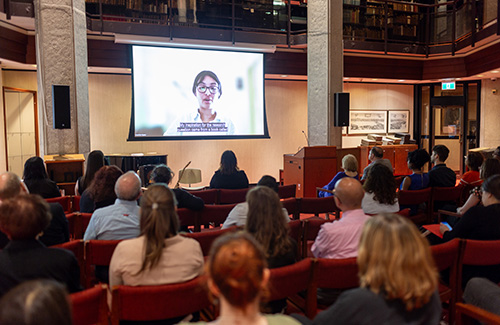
[380,191]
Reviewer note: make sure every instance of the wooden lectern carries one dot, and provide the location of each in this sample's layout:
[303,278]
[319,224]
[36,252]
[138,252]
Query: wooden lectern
[309,168]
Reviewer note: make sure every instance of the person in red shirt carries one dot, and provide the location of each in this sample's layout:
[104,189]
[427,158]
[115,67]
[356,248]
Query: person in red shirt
[473,161]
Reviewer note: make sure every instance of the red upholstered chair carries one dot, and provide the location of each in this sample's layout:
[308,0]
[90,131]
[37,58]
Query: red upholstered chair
[310,229]
[318,205]
[189,217]
[290,204]
[78,223]
[64,201]
[446,256]
[289,280]
[415,198]
[209,196]
[468,314]
[97,252]
[75,204]
[90,307]
[146,303]
[72,225]
[296,233]
[206,238]
[215,214]
[287,191]
[232,196]
[440,194]
[77,247]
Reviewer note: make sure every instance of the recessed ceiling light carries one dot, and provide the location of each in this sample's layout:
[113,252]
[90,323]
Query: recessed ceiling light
[495,71]
[33,65]
[480,75]
[401,80]
[346,78]
[284,76]
[374,79]
[458,78]
[129,69]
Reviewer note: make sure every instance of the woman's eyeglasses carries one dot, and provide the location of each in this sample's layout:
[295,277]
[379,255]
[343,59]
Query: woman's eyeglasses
[203,89]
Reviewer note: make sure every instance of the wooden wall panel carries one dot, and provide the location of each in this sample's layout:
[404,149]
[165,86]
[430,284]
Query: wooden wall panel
[369,67]
[444,68]
[13,45]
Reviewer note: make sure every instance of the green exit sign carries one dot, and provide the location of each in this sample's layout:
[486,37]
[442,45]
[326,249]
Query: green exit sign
[448,85]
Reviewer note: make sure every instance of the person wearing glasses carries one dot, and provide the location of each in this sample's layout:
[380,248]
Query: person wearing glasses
[207,90]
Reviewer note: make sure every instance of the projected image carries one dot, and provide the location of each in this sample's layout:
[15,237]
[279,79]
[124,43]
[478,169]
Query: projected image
[186,93]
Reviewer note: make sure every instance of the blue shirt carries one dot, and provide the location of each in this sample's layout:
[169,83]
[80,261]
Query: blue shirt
[117,221]
[418,182]
[332,183]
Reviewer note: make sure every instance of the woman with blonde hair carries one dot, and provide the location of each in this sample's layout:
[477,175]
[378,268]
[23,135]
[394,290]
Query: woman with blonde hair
[398,278]
[350,167]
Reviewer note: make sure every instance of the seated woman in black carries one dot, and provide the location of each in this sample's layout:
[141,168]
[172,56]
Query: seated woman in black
[36,179]
[229,176]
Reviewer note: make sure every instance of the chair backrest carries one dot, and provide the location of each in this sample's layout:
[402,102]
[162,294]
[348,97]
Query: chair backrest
[77,247]
[232,196]
[295,232]
[317,205]
[215,214]
[210,196]
[287,191]
[466,314]
[398,180]
[189,217]
[447,193]
[90,306]
[415,197]
[75,204]
[336,273]
[64,201]
[481,252]
[97,252]
[206,238]
[290,204]
[72,224]
[145,303]
[310,229]
[81,222]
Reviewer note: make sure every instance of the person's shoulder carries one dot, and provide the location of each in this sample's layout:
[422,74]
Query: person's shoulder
[278,319]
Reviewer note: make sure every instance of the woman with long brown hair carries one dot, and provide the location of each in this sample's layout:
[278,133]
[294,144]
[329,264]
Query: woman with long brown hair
[101,192]
[380,191]
[228,175]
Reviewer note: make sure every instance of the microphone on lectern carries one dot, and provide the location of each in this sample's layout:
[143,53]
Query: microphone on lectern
[307,140]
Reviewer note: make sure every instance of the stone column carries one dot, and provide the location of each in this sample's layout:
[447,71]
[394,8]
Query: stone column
[61,47]
[325,66]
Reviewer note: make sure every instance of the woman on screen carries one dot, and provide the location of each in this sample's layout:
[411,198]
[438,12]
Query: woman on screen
[207,89]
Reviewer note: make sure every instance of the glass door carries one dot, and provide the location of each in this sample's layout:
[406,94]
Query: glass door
[448,131]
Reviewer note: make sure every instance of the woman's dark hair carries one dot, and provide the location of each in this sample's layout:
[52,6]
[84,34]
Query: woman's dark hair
[103,186]
[474,160]
[200,76]
[228,163]
[95,161]
[161,174]
[34,168]
[159,220]
[36,302]
[380,181]
[490,167]
[418,158]
[492,186]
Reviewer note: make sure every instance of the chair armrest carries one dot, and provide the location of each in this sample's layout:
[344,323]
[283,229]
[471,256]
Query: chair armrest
[320,189]
[447,213]
[471,311]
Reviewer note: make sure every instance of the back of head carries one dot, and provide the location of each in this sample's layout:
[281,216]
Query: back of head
[418,158]
[474,160]
[441,151]
[24,216]
[10,185]
[103,186]
[350,163]
[377,152]
[380,181]
[265,221]
[158,221]
[95,161]
[395,260]
[228,163]
[492,185]
[36,302]
[350,192]
[128,186]
[236,266]
[161,174]
[34,168]
[490,167]
[270,182]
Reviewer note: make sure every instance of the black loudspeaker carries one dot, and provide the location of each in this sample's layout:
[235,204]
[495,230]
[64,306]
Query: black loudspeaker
[61,107]
[341,109]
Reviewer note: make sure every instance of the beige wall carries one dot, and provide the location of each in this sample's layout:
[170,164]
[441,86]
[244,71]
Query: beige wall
[490,113]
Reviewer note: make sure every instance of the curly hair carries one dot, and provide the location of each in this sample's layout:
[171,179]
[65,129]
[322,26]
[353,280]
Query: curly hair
[490,167]
[103,186]
[418,158]
[380,181]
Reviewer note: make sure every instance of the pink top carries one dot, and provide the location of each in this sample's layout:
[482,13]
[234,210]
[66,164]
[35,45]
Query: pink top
[340,239]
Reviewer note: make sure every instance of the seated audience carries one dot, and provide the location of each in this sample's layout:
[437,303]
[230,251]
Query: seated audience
[23,218]
[120,220]
[418,179]
[160,255]
[101,192]
[496,153]
[238,278]
[340,239]
[94,162]
[398,279]
[56,233]
[484,294]
[350,167]
[489,168]
[238,215]
[229,176]
[163,174]
[36,179]
[380,191]
[376,156]
[473,161]
[36,302]
[440,175]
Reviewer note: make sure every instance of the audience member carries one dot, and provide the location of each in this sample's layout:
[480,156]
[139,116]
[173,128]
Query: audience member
[496,153]
[94,162]
[398,279]
[120,220]
[36,302]
[440,175]
[418,179]
[473,161]
[238,215]
[380,191]
[56,233]
[23,218]
[163,174]
[376,156]
[229,176]
[238,278]
[484,294]
[101,192]
[350,167]
[340,239]
[36,179]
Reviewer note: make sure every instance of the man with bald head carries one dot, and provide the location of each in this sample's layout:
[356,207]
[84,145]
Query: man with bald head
[339,239]
[120,220]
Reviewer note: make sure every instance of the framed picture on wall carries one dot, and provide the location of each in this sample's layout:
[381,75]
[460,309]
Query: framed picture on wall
[398,121]
[364,122]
